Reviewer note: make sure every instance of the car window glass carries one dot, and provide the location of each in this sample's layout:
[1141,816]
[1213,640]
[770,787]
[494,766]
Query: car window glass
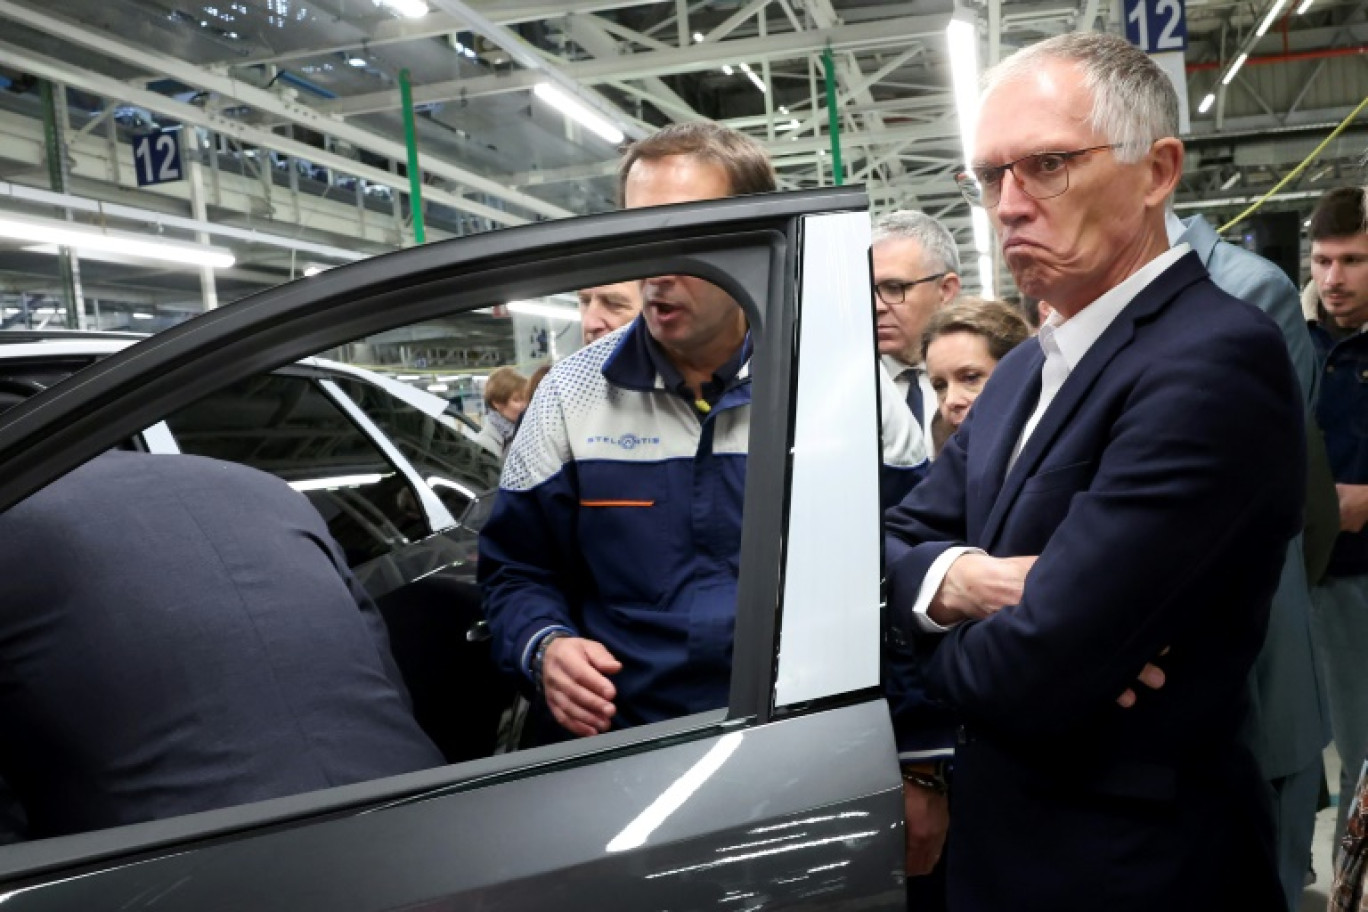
[443,450]
[621,500]
[288,426]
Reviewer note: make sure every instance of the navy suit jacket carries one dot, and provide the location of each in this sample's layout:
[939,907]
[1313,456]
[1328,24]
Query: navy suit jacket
[179,634]
[1160,490]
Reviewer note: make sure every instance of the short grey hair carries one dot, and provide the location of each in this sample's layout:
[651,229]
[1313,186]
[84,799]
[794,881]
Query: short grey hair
[936,242]
[1134,103]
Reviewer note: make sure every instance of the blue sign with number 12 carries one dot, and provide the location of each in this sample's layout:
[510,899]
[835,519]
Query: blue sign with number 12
[157,157]
[1155,26]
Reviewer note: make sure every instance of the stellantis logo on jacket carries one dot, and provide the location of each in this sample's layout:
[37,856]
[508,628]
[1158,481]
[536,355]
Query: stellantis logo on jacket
[626,441]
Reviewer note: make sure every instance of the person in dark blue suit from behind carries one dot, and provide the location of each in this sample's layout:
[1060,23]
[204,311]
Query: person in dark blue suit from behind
[1117,505]
[179,634]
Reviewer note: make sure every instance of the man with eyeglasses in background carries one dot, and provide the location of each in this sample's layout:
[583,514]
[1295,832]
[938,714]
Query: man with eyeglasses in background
[916,272]
[1120,498]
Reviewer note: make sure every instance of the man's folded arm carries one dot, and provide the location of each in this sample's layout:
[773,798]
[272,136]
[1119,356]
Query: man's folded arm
[1201,455]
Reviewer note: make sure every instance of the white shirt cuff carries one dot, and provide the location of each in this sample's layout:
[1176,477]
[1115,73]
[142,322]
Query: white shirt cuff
[931,584]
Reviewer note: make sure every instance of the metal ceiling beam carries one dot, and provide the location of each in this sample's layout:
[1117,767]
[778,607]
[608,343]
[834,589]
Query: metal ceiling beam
[692,59]
[533,60]
[46,68]
[271,104]
[589,33]
[439,24]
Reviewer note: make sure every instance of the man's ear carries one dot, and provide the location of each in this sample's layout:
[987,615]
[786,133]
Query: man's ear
[949,287]
[1165,163]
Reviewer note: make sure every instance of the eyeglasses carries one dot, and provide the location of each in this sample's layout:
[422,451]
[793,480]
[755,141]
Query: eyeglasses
[1041,175]
[892,293]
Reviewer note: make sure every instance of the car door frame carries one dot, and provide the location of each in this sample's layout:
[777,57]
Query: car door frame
[747,246]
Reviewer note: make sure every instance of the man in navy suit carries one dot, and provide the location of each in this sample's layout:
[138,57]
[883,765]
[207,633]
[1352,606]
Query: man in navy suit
[1117,504]
[179,634]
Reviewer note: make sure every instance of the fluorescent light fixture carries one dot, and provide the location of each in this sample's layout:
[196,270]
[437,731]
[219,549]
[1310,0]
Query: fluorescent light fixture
[745,68]
[408,377]
[1269,19]
[1306,5]
[793,125]
[409,8]
[1207,103]
[338,481]
[985,265]
[983,231]
[1231,181]
[1234,68]
[698,36]
[313,270]
[727,68]
[962,38]
[470,52]
[577,111]
[139,315]
[68,234]
[549,311]
[783,110]
[756,79]
[1307,223]
[356,61]
[437,387]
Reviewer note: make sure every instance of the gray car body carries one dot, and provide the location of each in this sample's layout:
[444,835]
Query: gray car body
[789,798]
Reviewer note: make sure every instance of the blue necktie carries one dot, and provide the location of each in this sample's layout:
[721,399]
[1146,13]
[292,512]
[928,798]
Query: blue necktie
[914,396]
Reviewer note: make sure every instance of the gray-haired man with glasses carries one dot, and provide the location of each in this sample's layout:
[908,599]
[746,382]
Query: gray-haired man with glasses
[916,270]
[1116,506]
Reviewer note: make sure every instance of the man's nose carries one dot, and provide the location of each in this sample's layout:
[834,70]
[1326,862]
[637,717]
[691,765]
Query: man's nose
[1014,202]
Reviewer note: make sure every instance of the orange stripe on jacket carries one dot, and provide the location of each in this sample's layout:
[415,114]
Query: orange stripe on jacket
[617,503]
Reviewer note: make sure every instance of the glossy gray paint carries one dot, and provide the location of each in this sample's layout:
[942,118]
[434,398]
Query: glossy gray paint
[803,812]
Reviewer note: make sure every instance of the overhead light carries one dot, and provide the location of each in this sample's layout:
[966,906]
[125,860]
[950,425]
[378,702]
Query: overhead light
[139,315]
[783,110]
[1269,19]
[727,68]
[437,387]
[1234,68]
[962,37]
[1207,103]
[66,234]
[756,80]
[356,61]
[745,68]
[698,36]
[577,111]
[1231,181]
[1307,223]
[470,52]
[985,265]
[1306,5]
[409,8]
[549,311]
[408,377]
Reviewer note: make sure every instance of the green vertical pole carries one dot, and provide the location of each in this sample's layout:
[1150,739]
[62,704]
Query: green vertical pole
[415,176]
[833,118]
[53,151]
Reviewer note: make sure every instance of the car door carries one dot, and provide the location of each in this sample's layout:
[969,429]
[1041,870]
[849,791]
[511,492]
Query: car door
[788,797]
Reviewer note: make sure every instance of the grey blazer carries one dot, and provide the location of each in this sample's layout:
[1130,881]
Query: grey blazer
[1289,721]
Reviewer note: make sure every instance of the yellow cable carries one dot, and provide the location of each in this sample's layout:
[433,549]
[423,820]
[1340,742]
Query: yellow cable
[1295,171]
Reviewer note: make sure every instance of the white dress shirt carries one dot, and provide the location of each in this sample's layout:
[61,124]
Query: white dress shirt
[1064,343]
[902,374]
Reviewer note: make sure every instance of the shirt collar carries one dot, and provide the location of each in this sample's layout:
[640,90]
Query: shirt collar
[1174,226]
[1073,337]
[896,366]
[722,378]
